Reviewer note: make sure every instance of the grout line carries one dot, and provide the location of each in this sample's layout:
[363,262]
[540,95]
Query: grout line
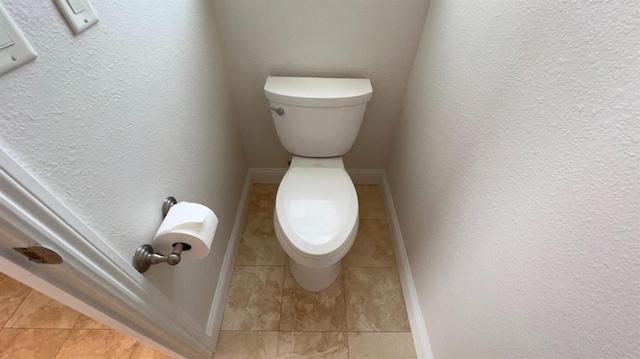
[259,265]
[369,332]
[344,296]
[284,276]
[133,347]
[63,343]
[312,331]
[324,331]
[17,307]
[22,328]
[77,320]
[307,332]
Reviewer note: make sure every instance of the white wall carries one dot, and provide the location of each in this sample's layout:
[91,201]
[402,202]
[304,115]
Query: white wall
[516,177]
[133,110]
[329,38]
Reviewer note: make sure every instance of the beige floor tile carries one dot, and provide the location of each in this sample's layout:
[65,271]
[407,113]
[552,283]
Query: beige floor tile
[263,201]
[372,247]
[312,311]
[259,245]
[85,322]
[381,346]
[141,351]
[255,297]
[374,300]
[246,345]
[40,311]
[31,343]
[370,202]
[12,293]
[313,345]
[96,344]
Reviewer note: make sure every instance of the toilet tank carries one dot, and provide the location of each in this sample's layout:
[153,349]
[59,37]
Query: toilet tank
[322,116]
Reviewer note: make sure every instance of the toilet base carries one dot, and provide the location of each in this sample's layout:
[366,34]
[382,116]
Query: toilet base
[314,279]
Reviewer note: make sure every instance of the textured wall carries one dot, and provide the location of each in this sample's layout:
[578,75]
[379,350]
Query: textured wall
[516,177]
[123,115]
[329,38]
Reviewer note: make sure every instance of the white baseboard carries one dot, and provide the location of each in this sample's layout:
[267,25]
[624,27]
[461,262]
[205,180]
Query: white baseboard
[416,320]
[224,280]
[358,176]
[267,175]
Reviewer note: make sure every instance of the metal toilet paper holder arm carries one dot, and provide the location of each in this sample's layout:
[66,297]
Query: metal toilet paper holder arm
[146,256]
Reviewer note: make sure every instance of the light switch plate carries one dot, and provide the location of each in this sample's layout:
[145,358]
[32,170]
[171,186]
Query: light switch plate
[15,50]
[5,39]
[79,14]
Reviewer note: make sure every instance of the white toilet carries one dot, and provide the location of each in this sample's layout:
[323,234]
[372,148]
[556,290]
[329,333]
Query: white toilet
[316,214]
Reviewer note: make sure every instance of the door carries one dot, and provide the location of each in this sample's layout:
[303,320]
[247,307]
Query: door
[91,277]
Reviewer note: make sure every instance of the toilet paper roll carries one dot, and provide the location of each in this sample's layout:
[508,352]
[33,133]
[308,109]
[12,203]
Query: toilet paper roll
[189,223]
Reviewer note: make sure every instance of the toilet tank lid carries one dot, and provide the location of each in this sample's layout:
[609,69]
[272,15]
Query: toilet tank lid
[318,91]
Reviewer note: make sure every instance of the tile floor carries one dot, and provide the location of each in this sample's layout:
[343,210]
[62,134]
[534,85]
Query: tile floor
[361,315]
[36,326]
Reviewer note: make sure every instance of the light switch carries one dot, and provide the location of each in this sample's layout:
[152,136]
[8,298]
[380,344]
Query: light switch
[15,50]
[77,6]
[79,14]
[5,39]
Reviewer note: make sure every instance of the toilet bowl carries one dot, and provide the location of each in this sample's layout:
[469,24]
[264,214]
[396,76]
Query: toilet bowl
[316,214]
[316,219]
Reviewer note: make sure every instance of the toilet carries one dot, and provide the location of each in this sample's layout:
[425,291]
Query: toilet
[316,212]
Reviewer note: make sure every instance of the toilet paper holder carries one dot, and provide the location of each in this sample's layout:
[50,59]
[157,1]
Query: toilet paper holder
[146,256]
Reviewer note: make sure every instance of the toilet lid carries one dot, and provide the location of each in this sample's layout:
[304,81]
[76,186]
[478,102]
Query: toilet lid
[317,208]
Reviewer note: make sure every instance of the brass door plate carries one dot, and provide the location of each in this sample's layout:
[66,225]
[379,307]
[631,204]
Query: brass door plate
[40,254]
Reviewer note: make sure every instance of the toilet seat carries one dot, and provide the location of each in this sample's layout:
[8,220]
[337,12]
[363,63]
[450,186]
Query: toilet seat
[316,212]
